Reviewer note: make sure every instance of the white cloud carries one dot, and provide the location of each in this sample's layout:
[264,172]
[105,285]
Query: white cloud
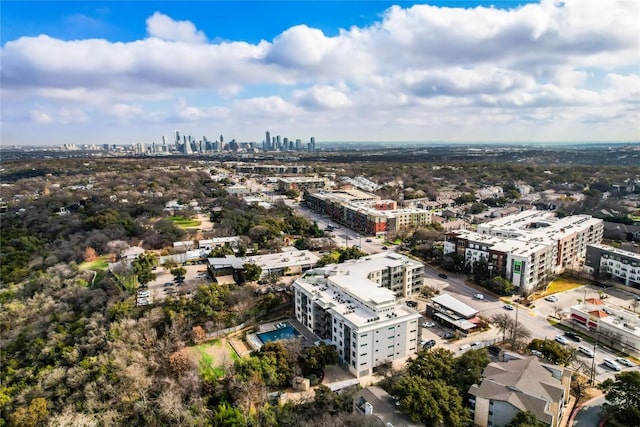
[39,116]
[423,72]
[165,28]
[299,46]
[321,97]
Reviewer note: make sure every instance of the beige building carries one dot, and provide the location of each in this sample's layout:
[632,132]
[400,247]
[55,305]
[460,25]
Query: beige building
[520,385]
[354,306]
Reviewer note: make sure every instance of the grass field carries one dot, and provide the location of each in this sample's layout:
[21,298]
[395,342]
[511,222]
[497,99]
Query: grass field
[562,284]
[183,222]
[212,356]
[97,265]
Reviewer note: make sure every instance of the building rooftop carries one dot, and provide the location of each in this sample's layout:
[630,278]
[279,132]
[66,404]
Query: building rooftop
[448,302]
[616,251]
[347,290]
[524,383]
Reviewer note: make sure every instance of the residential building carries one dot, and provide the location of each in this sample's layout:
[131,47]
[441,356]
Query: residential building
[350,306]
[280,264]
[528,248]
[365,212]
[520,385]
[300,183]
[607,262]
[617,327]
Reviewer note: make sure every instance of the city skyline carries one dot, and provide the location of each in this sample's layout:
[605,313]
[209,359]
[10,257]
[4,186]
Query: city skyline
[128,72]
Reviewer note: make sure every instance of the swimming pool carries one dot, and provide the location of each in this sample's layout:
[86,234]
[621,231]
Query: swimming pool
[285,333]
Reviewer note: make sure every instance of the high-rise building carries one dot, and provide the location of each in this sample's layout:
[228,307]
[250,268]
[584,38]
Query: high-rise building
[267,140]
[312,144]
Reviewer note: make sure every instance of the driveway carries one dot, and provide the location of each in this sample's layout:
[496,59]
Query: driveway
[589,414]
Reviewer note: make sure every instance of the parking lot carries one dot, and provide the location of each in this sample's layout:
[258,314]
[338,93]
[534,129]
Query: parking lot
[165,284]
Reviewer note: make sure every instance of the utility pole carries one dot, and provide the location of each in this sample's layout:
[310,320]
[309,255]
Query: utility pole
[515,328]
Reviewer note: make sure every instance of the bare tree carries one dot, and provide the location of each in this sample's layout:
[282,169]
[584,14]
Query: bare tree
[503,322]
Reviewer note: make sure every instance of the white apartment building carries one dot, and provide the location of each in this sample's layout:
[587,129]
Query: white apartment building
[529,247]
[606,261]
[354,307]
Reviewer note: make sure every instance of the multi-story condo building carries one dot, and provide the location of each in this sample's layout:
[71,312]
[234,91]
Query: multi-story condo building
[529,247]
[354,307]
[300,183]
[365,212]
[608,262]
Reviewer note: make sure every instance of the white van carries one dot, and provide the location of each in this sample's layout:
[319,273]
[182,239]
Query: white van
[586,351]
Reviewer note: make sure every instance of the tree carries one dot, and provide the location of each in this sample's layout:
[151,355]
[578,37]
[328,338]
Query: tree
[198,334]
[432,402]
[525,419]
[552,351]
[178,272]
[180,361]
[33,415]
[252,271]
[468,369]
[623,398]
[143,266]
[90,254]
[503,322]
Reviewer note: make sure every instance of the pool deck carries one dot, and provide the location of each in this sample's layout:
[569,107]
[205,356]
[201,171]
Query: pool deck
[256,343]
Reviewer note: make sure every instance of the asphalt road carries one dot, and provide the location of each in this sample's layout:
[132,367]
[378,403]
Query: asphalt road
[534,319]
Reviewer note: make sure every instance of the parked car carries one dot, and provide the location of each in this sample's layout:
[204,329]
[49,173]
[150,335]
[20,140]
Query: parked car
[368,240]
[623,361]
[612,365]
[535,353]
[551,298]
[508,307]
[562,340]
[384,248]
[447,335]
[573,336]
[429,344]
[428,324]
[479,296]
[168,284]
[442,275]
[586,351]
[412,304]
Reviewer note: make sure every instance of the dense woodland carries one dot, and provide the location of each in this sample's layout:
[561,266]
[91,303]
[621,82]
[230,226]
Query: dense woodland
[76,351]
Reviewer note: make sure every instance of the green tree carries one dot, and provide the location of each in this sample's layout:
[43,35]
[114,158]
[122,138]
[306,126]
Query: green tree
[143,267]
[552,351]
[315,358]
[525,419]
[252,271]
[432,402]
[468,369]
[432,365]
[225,415]
[302,243]
[623,398]
[221,251]
[178,272]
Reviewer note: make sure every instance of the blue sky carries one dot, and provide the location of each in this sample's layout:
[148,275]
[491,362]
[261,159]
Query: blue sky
[126,72]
